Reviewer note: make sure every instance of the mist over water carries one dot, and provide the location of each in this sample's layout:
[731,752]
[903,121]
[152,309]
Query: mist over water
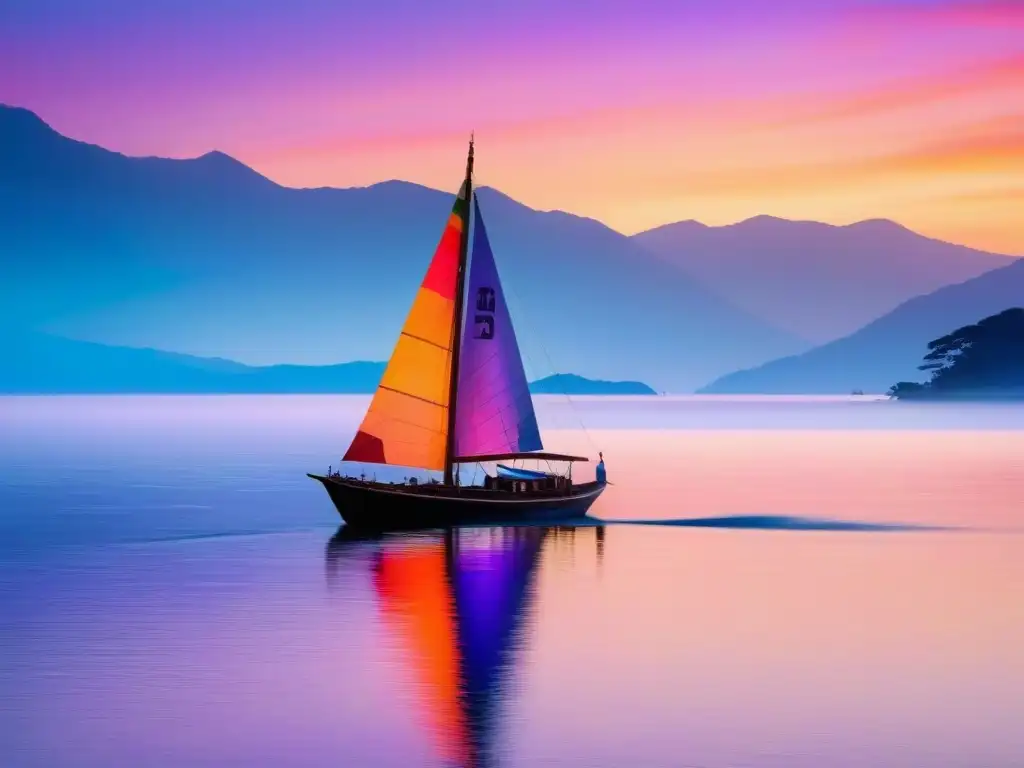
[841,583]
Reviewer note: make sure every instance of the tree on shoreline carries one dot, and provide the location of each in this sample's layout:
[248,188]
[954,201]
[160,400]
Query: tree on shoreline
[984,359]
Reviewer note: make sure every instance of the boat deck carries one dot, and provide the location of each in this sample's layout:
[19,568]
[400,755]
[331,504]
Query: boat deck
[458,491]
[397,505]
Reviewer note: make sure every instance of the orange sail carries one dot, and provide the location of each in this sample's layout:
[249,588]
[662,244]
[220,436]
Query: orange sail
[407,422]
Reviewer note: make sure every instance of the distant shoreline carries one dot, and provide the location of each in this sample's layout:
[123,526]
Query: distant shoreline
[41,364]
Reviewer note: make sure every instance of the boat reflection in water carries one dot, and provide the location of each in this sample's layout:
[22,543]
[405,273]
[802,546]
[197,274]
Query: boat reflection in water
[458,603]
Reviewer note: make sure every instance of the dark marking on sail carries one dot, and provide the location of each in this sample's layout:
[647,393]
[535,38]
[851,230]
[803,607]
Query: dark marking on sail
[484,326]
[485,300]
[484,322]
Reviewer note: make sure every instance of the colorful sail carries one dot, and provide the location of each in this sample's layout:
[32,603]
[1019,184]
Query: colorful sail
[407,422]
[494,408]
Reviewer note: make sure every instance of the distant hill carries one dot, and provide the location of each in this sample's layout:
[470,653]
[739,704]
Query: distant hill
[209,258]
[887,350]
[42,364]
[571,384]
[817,281]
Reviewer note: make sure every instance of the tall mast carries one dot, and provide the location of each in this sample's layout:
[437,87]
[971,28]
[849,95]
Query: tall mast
[460,287]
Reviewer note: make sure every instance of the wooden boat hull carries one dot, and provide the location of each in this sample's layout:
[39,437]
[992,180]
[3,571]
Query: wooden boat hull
[380,506]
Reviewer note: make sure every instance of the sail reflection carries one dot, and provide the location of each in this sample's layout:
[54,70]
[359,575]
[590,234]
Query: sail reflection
[457,603]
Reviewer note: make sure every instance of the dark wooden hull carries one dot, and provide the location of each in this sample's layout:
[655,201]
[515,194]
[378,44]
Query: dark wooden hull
[380,506]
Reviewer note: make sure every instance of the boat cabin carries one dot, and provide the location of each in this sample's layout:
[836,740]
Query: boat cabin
[517,480]
[511,479]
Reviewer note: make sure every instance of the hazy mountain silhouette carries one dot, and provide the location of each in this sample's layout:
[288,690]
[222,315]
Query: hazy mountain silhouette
[43,364]
[817,281]
[887,350]
[39,363]
[207,257]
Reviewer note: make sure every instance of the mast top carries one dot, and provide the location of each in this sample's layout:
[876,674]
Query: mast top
[450,477]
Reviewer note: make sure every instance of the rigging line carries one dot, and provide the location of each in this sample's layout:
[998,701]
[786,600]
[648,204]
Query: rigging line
[482,404]
[481,367]
[586,433]
[489,419]
[426,400]
[523,315]
[493,393]
[443,348]
[406,422]
[396,420]
[496,393]
[504,427]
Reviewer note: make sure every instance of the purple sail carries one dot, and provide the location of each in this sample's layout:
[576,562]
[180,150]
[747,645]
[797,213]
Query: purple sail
[494,408]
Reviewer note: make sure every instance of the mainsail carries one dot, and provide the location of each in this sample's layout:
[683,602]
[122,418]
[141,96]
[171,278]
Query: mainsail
[494,411]
[407,422]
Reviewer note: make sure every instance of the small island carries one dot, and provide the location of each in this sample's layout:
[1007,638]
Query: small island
[984,361]
[571,384]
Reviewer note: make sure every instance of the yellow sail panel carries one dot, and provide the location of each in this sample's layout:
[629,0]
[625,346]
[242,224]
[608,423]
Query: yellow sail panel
[407,422]
[430,318]
[419,368]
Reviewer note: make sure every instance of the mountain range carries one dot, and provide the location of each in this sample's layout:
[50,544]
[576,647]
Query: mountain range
[210,259]
[817,281]
[887,350]
[207,257]
[44,364]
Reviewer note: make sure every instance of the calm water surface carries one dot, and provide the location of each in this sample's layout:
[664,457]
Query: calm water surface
[832,583]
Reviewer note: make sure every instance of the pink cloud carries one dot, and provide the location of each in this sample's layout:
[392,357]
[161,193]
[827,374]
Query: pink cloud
[914,91]
[951,12]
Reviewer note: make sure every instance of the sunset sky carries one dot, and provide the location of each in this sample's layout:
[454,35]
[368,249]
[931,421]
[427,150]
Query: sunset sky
[637,113]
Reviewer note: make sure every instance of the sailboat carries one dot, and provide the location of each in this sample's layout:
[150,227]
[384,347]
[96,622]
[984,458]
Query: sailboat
[454,392]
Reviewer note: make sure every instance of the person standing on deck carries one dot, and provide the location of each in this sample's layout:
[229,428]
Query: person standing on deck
[601,476]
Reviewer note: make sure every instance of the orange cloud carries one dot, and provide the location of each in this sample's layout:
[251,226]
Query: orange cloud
[992,147]
[998,195]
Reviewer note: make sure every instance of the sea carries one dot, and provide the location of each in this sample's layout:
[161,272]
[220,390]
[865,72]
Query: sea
[768,582]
